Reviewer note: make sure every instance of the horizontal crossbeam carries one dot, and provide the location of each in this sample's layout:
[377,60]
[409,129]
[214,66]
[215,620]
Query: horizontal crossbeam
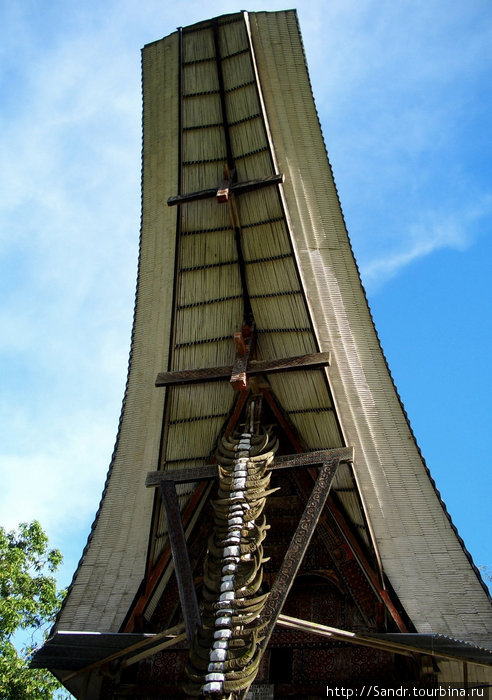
[234,188]
[255,367]
[210,471]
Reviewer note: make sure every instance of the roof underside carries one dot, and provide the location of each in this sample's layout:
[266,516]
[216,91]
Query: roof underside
[293,273]
[78,650]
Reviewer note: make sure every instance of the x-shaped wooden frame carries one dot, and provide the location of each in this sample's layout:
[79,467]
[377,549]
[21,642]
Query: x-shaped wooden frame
[328,460]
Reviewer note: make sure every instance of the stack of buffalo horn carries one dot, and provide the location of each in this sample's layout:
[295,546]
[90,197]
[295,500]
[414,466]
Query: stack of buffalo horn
[224,657]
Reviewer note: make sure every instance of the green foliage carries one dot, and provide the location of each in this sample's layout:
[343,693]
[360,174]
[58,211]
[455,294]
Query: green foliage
[29,602]
[18,682]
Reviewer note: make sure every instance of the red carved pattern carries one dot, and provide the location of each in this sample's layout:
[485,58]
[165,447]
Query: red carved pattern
[357,583]
[299,543]
[353,664]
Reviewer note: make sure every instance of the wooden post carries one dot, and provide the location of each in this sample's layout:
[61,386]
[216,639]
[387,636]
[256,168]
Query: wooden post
[182,566]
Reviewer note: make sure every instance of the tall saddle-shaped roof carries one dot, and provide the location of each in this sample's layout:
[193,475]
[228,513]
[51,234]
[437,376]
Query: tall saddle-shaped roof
[246,273]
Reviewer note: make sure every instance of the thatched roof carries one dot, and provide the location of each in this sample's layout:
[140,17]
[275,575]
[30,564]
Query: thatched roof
[295,274]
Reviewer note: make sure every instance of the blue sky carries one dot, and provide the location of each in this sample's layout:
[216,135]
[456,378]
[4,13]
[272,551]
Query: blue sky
[403,91]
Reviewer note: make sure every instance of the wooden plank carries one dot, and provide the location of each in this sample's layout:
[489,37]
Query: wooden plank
[250,185]
[308,459]
[210,471]
[182,566]
[316,360]
[255,367]
[192,196]
[295,553]
[234,188]
[340,635]
[297,548]
[182,476]
[193,376]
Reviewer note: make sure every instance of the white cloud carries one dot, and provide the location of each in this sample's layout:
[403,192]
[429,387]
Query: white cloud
[433,231]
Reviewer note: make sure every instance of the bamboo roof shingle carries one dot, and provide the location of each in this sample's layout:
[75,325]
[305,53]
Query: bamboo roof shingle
[294,273]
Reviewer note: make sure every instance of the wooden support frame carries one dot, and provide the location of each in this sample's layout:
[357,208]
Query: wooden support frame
[310,460]
[298,546]
[254,368]
[210,471]
[167,480]
[182,566]
[224,191]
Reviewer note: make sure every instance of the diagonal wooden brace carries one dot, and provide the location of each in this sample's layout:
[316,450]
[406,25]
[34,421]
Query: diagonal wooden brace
[298,546]
[296,551]
[182,566]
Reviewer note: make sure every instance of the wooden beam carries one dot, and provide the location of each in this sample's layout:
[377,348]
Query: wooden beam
[154,572]
[154,650]
[369,572]
[182,476]
[295,553]
[234,188]
[316,457]
[376,642]
[341,635]
[254,368]
[251,185]
[193,376]
[172,636]
[332,517]
[241,398]
[182,566]
[284,422]
[210,471]
[297,548]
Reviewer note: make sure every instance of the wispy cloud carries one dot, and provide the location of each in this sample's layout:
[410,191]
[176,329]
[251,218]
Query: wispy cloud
[430,232]
[401,89]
